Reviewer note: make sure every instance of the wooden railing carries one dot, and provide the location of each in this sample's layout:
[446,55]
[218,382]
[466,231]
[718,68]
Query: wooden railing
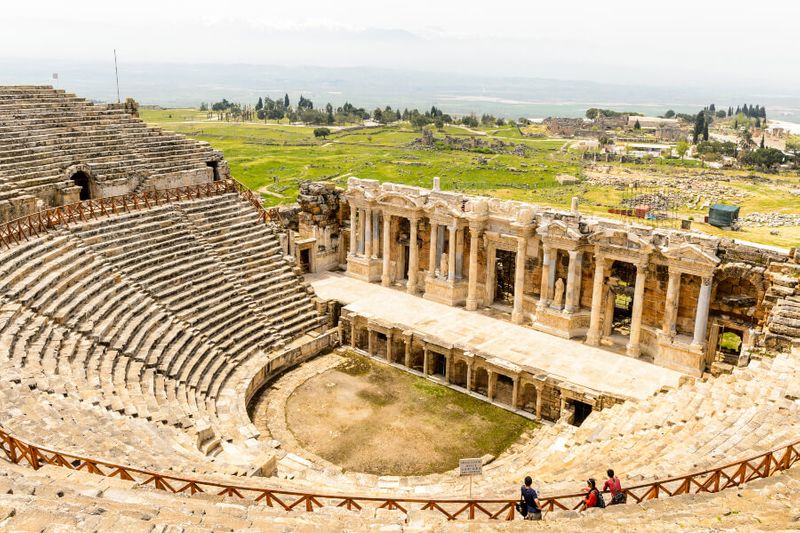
[33,225]
[708,481]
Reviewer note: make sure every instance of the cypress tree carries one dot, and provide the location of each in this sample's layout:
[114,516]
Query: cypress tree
[705,131]
[699,123]
[259,104]
[745,110]
[762,141]
[286,101]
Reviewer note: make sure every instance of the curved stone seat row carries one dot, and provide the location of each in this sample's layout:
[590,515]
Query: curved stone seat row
[148,315]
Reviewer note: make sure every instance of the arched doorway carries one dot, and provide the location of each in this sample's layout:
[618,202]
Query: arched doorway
[81,179]
[621,284]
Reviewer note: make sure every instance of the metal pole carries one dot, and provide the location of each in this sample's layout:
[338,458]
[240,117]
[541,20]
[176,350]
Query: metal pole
[116,72]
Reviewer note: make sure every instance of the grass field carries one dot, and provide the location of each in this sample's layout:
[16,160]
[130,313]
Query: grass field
[369,417]
[273,158]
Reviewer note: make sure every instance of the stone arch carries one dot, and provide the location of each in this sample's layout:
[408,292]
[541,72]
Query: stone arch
[481,381]
[81,176]
[738,290]
[459,376]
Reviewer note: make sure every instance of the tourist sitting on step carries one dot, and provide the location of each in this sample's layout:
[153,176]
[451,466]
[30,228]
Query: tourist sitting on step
[593,497]
[614,486]
[529,506]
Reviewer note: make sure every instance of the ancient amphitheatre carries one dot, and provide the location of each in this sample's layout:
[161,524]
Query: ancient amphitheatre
[147,299]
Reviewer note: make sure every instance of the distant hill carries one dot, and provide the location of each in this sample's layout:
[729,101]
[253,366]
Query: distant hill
[175,85]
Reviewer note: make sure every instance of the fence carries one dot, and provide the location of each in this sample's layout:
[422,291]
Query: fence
[33,225]
[709,481]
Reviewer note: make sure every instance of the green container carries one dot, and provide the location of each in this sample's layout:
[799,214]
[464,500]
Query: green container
[722,215]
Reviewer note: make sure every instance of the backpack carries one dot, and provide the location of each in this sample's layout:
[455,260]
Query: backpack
[601,503]
[522,508]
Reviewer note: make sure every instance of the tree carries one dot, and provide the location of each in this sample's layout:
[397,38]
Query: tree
[322,132]
[762,141]
[705,130]
[419,121]
[699,125]
[712,108]
[764,158]
[793,146]
[682,147]
[637,125]
[377,114]
[721,113]
[669,114]
[259,104]
[286,101]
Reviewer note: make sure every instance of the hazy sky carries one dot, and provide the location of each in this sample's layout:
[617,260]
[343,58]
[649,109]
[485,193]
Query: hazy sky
[678,42]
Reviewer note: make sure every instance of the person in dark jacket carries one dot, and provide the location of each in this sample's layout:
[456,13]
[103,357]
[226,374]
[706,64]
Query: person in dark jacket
[531,500]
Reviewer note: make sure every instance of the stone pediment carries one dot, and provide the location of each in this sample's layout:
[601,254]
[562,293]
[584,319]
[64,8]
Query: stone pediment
[558,229]
[398,199]
[691,253]
[621,239]
[443,210]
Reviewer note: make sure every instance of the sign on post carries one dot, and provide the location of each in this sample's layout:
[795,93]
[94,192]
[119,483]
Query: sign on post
[470,467]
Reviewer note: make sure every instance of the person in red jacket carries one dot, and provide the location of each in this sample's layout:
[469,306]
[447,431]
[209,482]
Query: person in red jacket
[593,497]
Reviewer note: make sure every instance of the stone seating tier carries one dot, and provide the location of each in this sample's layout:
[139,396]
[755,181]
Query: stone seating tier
[96,315]
[44,131]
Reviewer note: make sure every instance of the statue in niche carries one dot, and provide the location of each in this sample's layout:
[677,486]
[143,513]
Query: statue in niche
[444,265]
[558,297]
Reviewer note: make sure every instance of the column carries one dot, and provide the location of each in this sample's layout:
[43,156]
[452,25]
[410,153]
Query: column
[701,316]
[544,291]
[368,233]
[451,255]
[551,279]
[460,254]
[439,245]
[519,280]
[472,287]
[389,336]
[407,359]
[469,377]
[432,266]
[353,342]
[371,341]
[386,277]
[413,259]
[515,393]
[490,385]
[425,360]
[671,306]
[571,299]
[447,369]
[539,391]
[633,348]
[353,230]
[376,231]
[593,336]
[361,231]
